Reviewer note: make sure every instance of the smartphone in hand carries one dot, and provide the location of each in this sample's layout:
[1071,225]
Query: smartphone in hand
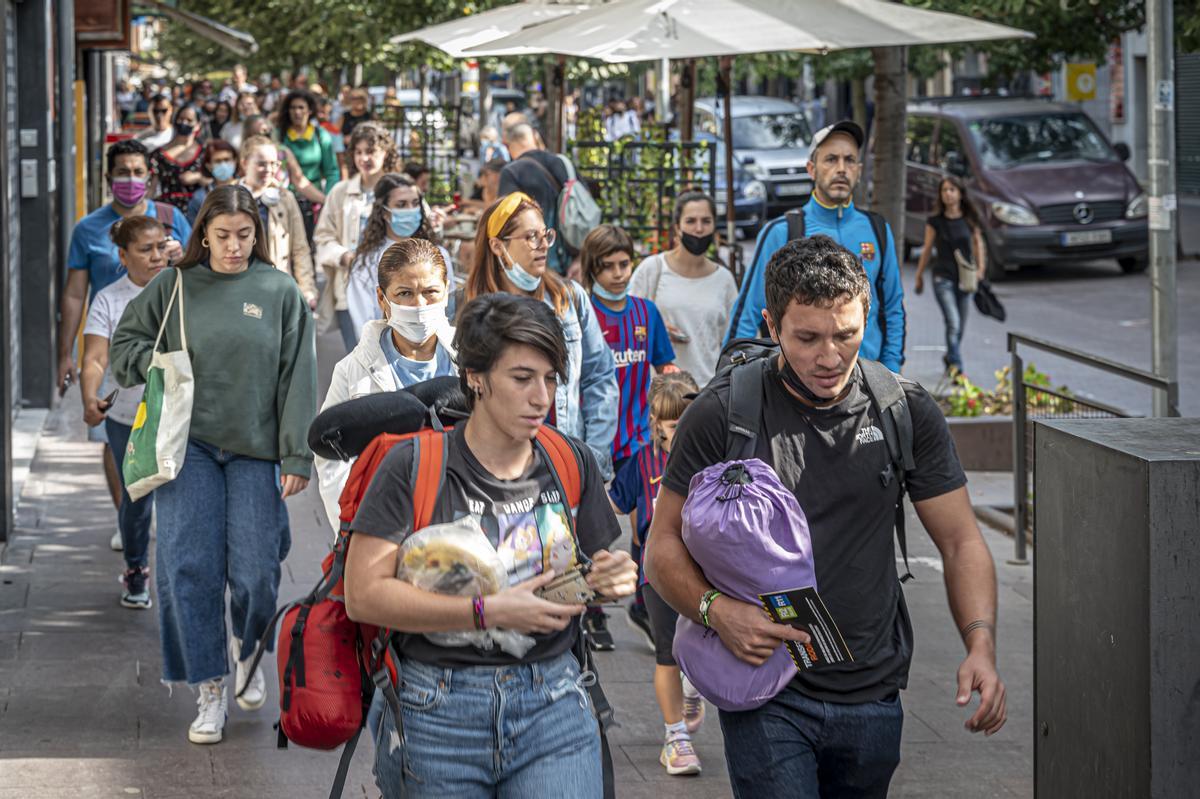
[108,401]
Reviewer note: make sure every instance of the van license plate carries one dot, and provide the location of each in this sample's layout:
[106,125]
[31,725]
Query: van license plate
[1077,237]
[792,189]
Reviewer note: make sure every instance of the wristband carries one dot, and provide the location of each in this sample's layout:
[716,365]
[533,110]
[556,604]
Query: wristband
[706,602]
[477,611]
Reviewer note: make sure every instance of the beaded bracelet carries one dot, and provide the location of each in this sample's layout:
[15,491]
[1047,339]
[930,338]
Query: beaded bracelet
[706,601]
[477,610]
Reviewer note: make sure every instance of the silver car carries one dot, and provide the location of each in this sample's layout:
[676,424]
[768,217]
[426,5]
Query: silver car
[771,143]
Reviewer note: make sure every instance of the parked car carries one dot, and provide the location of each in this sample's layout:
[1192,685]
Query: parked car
[771,143]
[1048,184]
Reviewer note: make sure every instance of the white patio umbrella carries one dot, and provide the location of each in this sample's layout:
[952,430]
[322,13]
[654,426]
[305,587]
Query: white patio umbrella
[473,30]
[641,30]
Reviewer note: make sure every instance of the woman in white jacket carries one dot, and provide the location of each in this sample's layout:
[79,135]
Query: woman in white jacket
[372,153]
[398,212]
[410,344]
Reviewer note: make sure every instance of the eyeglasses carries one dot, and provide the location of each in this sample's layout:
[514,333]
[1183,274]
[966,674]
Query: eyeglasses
[533,239]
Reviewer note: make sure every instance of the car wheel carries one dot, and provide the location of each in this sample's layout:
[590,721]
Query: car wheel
[1133,266]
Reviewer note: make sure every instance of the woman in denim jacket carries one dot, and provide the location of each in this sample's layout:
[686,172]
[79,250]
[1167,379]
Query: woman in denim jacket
[511,246]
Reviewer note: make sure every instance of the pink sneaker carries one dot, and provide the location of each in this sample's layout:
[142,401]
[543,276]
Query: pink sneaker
[693,712]
[678,757]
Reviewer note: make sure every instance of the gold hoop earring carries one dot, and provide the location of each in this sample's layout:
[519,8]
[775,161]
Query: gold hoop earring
[204,242]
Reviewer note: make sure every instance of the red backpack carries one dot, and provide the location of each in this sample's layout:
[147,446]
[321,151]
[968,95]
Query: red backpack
[333,665]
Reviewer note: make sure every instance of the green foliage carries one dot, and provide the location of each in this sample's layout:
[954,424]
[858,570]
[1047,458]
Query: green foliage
[967,399]
[1187,25]
[638,183]
[325,35]
[1065,30]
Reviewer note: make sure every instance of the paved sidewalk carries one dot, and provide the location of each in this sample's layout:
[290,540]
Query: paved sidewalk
[82,713]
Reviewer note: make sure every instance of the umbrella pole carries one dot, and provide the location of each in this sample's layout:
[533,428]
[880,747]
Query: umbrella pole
[726,88]
[558,86]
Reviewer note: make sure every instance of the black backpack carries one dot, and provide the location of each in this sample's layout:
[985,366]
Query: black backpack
[746,360]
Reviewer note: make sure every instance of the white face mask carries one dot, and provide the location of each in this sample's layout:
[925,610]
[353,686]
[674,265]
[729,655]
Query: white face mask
[270,196]
[417,323]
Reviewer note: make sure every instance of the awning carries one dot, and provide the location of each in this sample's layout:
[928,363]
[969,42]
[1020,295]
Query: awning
[238,42]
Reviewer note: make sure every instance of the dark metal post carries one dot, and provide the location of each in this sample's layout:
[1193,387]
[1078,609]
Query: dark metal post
[725,86]
[1020,472]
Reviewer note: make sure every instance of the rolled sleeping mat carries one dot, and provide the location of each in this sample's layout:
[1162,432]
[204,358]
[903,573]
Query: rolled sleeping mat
[445,396]
[343,431]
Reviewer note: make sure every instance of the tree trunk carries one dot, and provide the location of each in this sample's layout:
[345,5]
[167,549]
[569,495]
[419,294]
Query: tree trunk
[888,151]
[858,101]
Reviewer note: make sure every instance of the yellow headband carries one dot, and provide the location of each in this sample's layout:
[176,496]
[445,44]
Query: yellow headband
[504,212]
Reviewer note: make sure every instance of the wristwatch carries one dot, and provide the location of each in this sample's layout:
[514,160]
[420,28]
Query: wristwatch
[706,603]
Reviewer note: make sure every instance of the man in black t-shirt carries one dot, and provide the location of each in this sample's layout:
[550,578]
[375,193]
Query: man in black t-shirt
[834,731]
[541,175]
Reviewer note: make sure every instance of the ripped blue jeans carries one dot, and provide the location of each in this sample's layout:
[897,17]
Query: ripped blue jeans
[524,731]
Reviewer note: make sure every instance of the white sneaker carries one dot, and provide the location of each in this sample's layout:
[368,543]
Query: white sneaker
[116,543]
[255,695]
[209,726]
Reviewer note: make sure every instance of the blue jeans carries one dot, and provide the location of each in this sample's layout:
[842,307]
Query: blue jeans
[801,748]
[346,327]
[954,304]
[515,732]
[133,518]
[221,523]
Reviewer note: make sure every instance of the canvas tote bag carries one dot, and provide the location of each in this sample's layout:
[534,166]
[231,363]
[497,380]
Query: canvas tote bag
[159,438]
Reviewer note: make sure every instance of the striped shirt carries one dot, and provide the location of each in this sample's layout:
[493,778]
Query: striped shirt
[638,339]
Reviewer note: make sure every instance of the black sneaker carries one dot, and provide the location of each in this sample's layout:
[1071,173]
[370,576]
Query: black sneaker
[639,619]
[595,624]
[137,591]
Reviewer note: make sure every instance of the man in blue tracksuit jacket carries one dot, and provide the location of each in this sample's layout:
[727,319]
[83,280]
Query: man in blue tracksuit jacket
[835,168]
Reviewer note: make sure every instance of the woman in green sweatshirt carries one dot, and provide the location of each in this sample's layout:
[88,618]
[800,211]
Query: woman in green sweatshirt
[222,522]
[312,146]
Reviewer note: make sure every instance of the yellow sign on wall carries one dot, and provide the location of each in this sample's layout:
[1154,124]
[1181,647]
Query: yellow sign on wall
[1081,82]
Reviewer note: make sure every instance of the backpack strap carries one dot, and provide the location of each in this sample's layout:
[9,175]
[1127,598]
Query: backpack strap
[795,223]
[879,227]
[887,395]
[563,462]
[743,415]
[428,475]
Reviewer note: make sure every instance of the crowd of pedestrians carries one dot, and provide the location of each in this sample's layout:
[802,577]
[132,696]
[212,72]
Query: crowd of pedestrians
[221,212]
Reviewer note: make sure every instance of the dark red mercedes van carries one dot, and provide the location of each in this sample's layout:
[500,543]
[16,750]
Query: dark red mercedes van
[1047,182]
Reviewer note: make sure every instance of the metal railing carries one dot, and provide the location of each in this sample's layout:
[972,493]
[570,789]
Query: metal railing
[1041,402]
[638,181]
[428,135]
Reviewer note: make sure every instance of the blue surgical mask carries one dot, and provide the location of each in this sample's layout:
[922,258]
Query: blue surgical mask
[520,278]
[405,221]
[611,296]
[223,171]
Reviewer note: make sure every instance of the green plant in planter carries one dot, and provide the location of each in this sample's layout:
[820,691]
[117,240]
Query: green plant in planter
[967,399]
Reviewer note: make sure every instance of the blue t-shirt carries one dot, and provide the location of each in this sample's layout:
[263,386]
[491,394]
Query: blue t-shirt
[93,250]
[636,488]
[638,339]
[409,371]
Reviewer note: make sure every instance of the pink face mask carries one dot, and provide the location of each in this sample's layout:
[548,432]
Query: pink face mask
[128,191]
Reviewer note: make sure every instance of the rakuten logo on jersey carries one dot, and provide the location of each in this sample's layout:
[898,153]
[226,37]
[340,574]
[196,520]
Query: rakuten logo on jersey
[626,357]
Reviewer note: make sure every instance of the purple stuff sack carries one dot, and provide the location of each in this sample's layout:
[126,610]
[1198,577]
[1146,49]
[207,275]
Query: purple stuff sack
[749,536]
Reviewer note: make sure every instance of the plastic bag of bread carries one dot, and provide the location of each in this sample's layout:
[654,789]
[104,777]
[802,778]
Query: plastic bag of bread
[457,558]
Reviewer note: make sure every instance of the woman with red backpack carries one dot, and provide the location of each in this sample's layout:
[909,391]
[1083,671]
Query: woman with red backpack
[472,720]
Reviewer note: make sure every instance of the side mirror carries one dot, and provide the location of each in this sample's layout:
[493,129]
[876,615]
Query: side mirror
[1122,150]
